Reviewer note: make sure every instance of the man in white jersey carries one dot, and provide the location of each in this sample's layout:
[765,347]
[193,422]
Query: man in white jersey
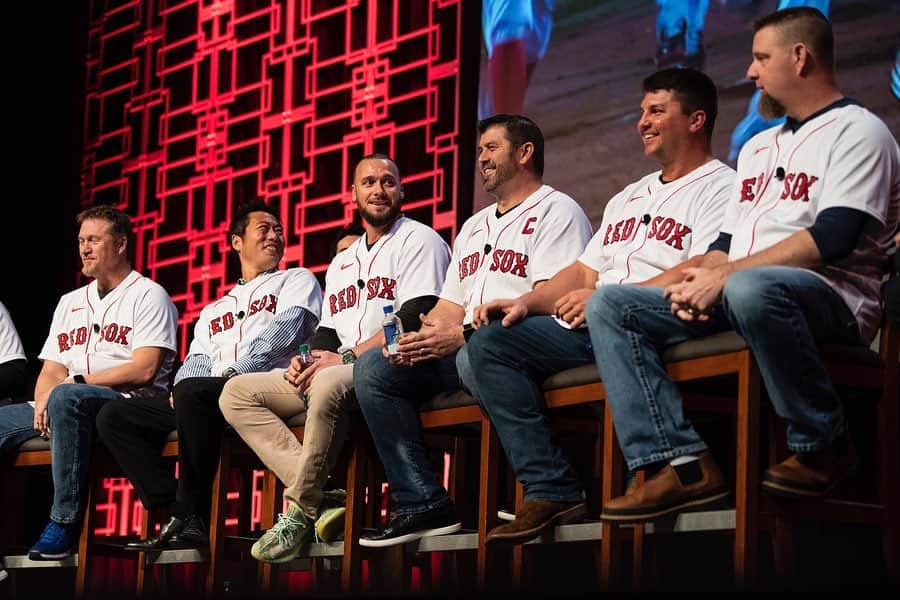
[255,326]
[798,263]
[111,341]
[502,251]
[397,262]
[666,219]
[13,361]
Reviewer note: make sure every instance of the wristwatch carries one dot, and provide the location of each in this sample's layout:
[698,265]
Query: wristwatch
[229,373]
[348,357]
[78,378]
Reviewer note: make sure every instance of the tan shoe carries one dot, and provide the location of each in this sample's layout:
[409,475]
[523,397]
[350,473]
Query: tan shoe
[666,493]
[535,517]
[811,474]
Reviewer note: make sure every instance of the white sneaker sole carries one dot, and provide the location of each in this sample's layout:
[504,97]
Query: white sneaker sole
[506,515]
[409,537]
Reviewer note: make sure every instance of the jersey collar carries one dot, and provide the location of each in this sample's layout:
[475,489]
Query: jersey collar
[794,124]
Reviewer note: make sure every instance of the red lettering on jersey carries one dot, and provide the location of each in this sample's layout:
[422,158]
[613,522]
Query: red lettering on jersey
[80,335]
[628,228]
[519,267]
[507,261]
[654,225]
[372,287]
[342,300]
[666,228]
[351,296]
[332,301]
[63,340]
[272,304]
[387,288]
[215,326]
[616,230]
[122,338]
[110,331]
[227,321]
[747,194]
[787,186]
[677,239]
[606,240]
[528,229]
[469,265]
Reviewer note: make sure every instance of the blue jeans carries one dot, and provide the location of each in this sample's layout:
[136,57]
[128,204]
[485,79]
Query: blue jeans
[389,396]
[781,312]
[16,426]
[71,411]
[512,364]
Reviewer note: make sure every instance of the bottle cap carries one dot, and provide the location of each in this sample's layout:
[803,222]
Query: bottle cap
[304,348]
[388,308]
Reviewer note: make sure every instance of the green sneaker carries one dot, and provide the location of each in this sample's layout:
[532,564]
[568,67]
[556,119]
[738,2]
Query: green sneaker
[330,524]
[284,541]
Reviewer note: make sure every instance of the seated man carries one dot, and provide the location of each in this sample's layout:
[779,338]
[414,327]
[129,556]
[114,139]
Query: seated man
[798,263]
[667,218]
[505,249]
[255,326]
[111,340]
[398,262]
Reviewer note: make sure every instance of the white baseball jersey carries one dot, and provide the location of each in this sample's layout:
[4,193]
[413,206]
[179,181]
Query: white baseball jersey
[407,262]
[11,347]
[651,226]
[91,335]
[227,326]
[843,156]
[503,257]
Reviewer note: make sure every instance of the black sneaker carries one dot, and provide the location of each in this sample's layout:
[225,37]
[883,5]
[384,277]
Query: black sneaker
[406,528]
[194,535]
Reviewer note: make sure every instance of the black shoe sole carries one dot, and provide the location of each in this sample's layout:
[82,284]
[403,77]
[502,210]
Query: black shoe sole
[655,512]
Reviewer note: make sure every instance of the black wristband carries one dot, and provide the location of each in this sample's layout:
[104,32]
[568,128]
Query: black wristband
[78,378]
[468,330]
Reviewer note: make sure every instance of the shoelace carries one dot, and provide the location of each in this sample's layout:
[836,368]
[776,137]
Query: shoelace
[285,521]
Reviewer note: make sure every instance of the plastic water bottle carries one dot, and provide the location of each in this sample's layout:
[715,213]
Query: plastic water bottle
[305,357]
[393,329]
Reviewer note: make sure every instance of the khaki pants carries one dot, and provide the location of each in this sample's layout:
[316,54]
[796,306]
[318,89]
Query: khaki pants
[257,406]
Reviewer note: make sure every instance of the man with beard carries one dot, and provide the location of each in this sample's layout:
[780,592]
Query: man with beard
[798,263]
[504,250]
[111,341]
[397,262]
[255,326]
[651,230]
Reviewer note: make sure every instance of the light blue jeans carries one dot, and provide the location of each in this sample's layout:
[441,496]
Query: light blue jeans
[782,313]
[71,411]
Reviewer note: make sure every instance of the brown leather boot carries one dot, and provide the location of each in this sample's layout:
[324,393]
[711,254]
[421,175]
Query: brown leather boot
[812,474]
[667,493]
[534,518]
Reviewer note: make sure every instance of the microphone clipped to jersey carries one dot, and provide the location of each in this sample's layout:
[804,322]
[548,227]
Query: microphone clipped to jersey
[779,173]
[240,314]
[645,219]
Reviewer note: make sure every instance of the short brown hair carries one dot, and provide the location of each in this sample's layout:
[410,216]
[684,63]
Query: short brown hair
[806,25]
[120,222]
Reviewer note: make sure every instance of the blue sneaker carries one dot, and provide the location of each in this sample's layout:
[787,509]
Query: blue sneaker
[54,544]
